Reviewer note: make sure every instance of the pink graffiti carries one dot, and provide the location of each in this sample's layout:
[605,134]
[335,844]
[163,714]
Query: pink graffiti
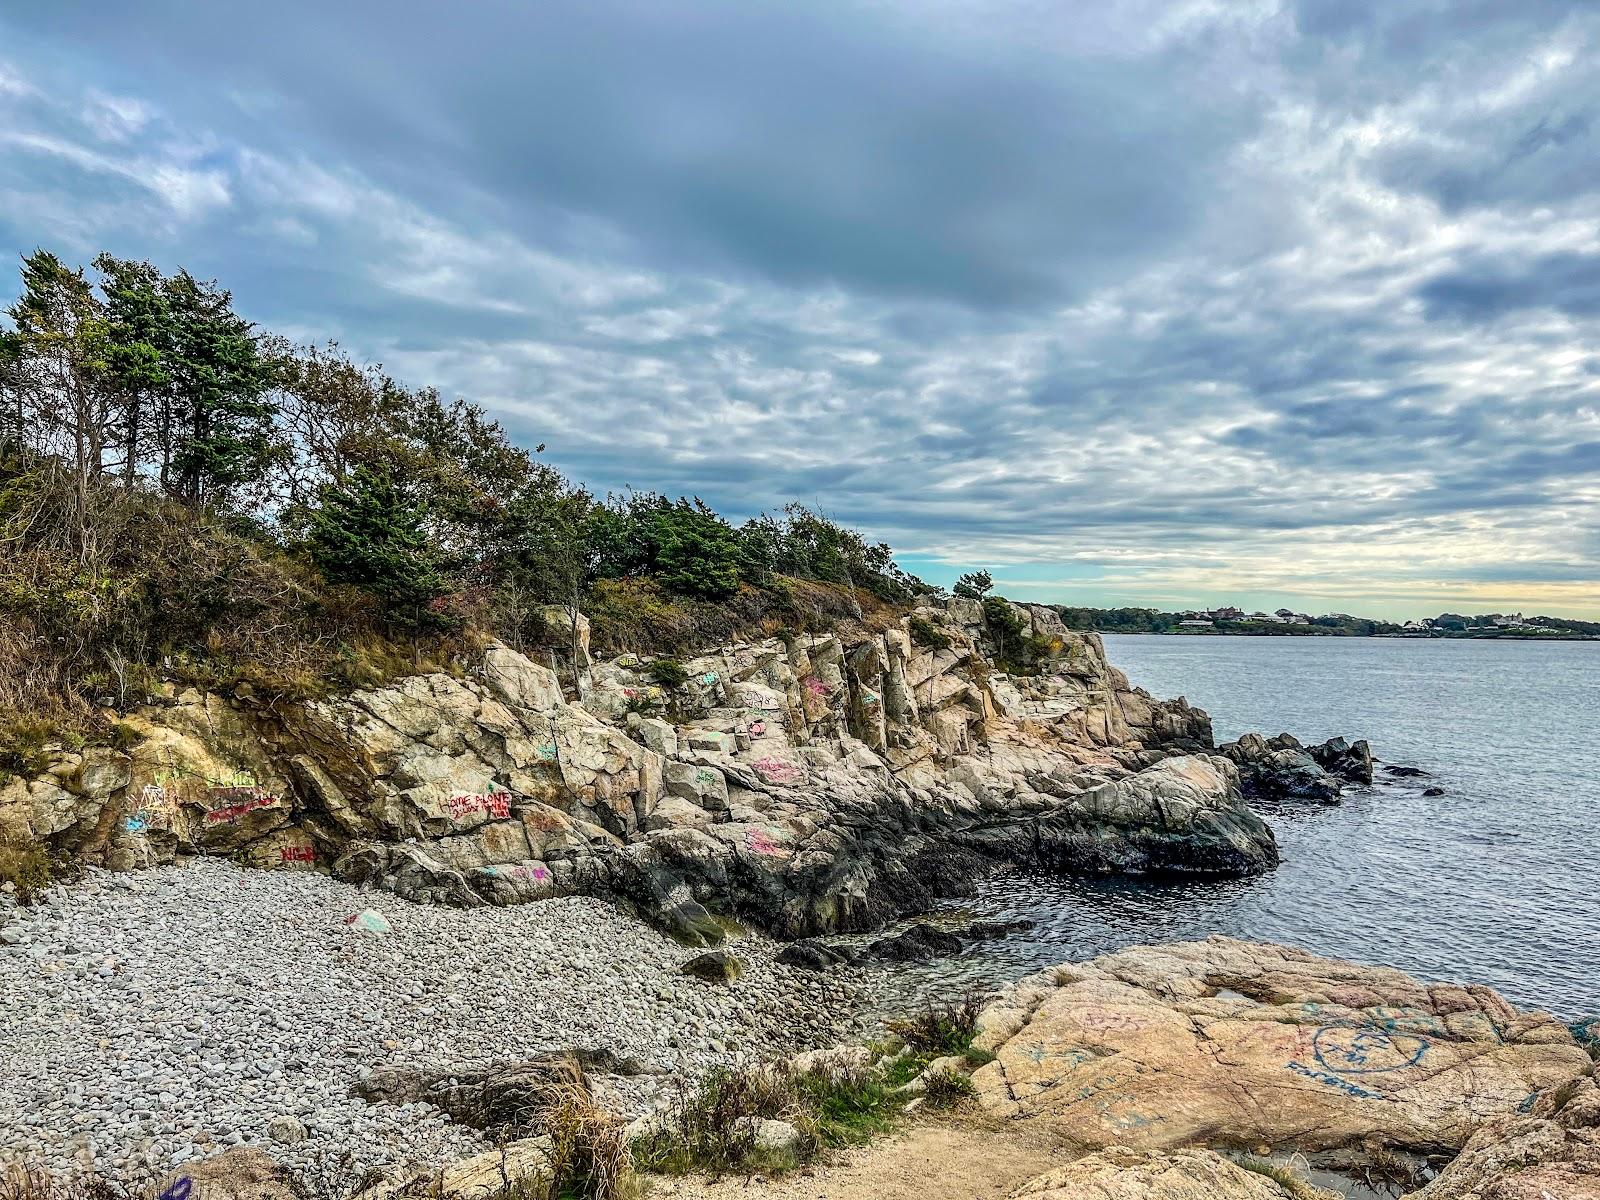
[302,854]
[816,687]
[497,804]
[257,798]
[776,770]
[757,728]
[760,841]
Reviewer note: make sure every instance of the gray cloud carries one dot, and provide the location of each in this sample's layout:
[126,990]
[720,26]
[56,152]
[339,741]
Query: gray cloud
[1189,301]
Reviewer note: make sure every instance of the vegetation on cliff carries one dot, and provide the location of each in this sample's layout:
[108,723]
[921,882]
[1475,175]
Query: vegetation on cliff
[185,496]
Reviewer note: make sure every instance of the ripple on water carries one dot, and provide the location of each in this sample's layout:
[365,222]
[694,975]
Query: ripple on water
[1493,882]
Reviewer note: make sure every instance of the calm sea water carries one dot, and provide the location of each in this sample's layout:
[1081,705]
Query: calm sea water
[1497,881]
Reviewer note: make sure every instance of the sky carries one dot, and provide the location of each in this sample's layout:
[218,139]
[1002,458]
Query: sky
[1268,302]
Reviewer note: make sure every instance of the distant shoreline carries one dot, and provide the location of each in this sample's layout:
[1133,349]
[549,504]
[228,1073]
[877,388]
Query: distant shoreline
[1302,632]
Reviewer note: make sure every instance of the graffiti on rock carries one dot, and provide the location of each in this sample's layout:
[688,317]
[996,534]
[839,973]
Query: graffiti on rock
[1333,1081]
[1366,1050]
[757,728]
[242,800]
[761,842]
[297,854]
[778,770]
[496,803]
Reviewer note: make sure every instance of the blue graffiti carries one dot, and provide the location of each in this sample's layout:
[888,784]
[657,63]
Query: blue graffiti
[1367,1050]
[1344,1085]
[178,1191]
[135,825]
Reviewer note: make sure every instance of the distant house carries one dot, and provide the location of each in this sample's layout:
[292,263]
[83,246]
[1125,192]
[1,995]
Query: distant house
[1227,614]
[1414,627]
[1195,623]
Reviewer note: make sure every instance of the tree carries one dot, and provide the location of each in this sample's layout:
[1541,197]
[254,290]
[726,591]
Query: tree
[51,363]
[137,344]
[974,585]
[219,419]
[697,553]
[369,532]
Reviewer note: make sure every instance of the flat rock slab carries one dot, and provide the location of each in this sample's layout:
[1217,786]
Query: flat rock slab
[1123,1174]
[1225,1042]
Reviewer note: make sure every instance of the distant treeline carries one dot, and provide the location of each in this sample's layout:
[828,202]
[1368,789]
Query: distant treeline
[1150,620]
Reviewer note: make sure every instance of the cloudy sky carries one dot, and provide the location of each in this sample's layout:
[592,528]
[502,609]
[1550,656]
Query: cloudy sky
[1143,301]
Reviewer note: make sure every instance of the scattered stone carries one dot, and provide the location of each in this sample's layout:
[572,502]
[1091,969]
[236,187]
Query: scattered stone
[715,966]
[287,1130]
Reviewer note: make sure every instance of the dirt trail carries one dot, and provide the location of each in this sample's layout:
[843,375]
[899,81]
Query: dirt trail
[946,1160]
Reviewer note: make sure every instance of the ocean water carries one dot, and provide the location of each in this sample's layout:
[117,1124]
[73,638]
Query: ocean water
[1497,881]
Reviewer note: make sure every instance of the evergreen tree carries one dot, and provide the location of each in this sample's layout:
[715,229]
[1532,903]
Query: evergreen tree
[974,585]
[369,531]
[220,419]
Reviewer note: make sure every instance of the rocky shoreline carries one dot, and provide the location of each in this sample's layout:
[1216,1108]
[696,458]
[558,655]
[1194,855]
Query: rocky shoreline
[806,785]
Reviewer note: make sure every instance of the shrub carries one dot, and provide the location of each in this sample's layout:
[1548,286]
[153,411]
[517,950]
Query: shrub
[926,634]
[947,1089]
[588,1153]
[28,868]
[946,1027]
[668,672]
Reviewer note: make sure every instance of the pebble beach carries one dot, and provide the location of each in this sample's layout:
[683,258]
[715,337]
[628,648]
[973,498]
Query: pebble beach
[156,1017]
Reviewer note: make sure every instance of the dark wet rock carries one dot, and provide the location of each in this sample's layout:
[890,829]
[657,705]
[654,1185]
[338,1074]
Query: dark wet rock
[714,966]
[1433,791]
[1405,772]
[1350,761]
[1280,769]
[920,943]
[814,955]
[988,931]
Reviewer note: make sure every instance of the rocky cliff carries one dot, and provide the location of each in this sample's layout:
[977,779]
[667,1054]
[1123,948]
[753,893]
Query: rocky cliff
[811,784]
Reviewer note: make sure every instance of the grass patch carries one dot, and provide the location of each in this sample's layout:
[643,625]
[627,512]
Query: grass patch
[714,1128]
[945,1027]
[949,1089]
[29,869]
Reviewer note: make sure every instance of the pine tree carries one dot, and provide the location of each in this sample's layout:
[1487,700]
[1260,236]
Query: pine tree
[369,531]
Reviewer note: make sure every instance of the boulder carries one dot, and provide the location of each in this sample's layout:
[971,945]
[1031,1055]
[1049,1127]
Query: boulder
[714,966]
[1350,761]
[1238,1043]
[812,955]
[1120,1173]
[1550,1151]
[1280,769]
[920,943]
[239,1173]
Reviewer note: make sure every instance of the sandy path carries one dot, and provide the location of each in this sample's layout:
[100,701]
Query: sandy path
[956,1159]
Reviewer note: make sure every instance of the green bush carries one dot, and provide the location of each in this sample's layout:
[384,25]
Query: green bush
[943,1027]
[947,1089]
[926,634]
[668,672]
